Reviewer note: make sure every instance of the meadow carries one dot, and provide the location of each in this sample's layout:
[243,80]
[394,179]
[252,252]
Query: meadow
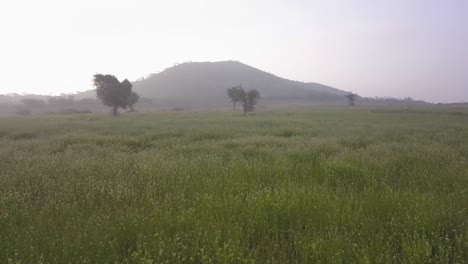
[317,185]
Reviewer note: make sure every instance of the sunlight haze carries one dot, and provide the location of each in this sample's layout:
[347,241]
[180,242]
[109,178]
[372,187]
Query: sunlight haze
[401,48]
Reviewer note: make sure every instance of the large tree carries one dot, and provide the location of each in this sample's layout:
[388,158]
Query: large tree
[112,92]
[248,99]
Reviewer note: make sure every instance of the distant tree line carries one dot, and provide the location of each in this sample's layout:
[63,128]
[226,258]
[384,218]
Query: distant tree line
[55,104]
[65,104]
[115,94]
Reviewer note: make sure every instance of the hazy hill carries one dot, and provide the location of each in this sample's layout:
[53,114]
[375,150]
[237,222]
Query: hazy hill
[205,83]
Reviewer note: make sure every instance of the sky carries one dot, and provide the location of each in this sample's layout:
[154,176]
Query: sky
[385,48]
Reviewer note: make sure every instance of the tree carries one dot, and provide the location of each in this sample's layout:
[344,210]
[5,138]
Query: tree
[248,99]
[132,100]
[112,92]
[252,99]
[233,95]
[351,99]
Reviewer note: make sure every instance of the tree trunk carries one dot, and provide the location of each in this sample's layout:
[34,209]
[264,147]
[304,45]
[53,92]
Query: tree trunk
[234,104]
[244,107]
[114,111]
[131,108]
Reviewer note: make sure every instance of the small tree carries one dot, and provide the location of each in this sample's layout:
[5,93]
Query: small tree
[233,95]
[351,99]
[132,100]
[112,92]
[248,99]
[252,99]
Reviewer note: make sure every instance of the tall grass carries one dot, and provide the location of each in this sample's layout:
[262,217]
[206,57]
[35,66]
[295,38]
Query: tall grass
[283,186]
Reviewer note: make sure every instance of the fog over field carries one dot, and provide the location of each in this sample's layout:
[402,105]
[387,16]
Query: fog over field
[378,48]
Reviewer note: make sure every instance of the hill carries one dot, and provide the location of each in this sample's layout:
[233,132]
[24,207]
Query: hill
[205,83]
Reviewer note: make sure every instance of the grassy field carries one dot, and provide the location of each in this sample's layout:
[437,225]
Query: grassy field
[324,185]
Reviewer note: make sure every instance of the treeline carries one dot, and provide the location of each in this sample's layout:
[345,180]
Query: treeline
[318,98]
[67,104]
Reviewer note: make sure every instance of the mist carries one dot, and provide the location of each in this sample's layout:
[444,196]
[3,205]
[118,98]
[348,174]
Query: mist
[374,48]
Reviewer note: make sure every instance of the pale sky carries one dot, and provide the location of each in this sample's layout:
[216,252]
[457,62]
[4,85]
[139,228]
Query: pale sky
[398,48]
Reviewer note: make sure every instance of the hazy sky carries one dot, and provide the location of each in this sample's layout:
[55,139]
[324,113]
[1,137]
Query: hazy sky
[398,48]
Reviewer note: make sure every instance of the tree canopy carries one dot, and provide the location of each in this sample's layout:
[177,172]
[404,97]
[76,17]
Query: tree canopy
[248,99]
[234,95]
[112,92]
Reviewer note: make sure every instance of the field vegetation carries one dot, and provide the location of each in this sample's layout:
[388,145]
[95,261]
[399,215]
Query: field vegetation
[317,185]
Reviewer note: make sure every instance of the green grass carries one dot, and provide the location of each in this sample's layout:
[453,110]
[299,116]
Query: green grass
[324,185]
